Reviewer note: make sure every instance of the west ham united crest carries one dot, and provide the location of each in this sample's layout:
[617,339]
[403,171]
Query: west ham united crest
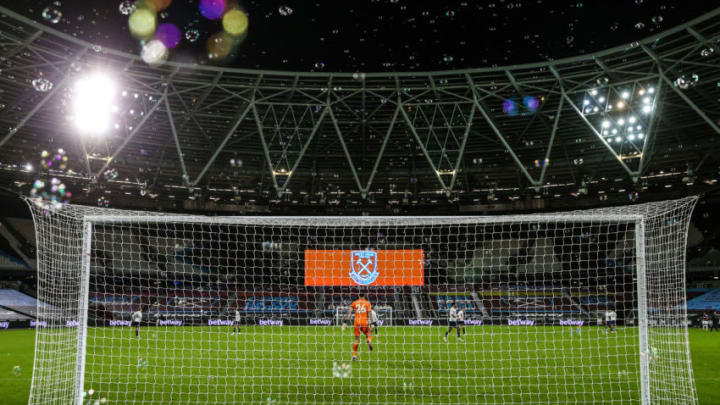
[364,266]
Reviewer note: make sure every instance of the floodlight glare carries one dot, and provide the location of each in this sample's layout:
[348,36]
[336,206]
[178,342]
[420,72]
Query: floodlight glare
[641,136]
[606,124]
[620,105]
[621,121]
[651,90]
[647,109]
[586,102]
[646,100]
[593,92]
[93,103]
[631,137]
[625,95]
[618,139]
[601,99]
[632,120]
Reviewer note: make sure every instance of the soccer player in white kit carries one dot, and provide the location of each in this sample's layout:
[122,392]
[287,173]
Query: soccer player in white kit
[136,319]
[461,320]
[374,321]
[453,322]
[610,320]
[236,324]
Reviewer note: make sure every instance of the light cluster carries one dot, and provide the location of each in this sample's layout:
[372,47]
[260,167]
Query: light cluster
[620,114]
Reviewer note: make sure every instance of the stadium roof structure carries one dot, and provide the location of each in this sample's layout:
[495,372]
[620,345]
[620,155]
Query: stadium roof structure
[635,120]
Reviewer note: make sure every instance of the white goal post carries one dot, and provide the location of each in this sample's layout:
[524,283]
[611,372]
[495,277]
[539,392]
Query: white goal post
[384,314]
[229,315]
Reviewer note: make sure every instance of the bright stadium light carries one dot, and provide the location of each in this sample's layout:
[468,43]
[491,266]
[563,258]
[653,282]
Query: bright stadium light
[625,95]
[647,109]
[93,103]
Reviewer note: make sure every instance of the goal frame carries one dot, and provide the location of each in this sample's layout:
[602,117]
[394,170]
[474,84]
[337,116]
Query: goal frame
[638,220]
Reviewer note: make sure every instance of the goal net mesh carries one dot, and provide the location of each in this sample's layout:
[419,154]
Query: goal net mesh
[584,307]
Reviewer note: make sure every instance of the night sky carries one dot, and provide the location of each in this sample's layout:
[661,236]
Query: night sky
[385,35]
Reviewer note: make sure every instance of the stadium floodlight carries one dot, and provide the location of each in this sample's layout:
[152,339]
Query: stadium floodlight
[93,103]
[632,119]
[28,167]
[606,124]
[647,109]
[625,95]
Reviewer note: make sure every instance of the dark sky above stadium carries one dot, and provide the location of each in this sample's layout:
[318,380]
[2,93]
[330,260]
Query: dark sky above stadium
[385,35]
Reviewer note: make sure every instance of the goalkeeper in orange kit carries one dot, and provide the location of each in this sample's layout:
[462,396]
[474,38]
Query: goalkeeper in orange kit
[361,308]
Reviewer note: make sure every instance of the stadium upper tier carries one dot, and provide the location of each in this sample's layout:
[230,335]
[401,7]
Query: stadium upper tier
[636,118]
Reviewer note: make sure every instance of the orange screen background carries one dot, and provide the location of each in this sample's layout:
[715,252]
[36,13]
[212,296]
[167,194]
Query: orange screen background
[396,268]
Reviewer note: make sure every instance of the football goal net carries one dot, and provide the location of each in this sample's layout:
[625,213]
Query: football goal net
[583,307]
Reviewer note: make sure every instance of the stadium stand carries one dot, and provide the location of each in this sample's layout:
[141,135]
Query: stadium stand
[709,301]
[16,306]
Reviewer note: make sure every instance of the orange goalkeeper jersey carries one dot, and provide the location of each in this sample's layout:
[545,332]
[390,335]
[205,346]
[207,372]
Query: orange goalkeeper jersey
[362,308]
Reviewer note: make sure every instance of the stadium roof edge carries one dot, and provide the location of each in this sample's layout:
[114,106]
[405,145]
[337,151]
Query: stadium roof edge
[575,59]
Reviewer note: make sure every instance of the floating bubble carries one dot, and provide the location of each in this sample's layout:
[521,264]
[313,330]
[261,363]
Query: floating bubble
[235,22]
[640,25]
[684,82]
[192,34]
[168,34]
[126,7]
[448,59]
[50,196]
[285,10]
[103,202]
[531,103]
[212,9]
[157,5]
[341,370]
[56,161]
[319,65]
[236,163]
[509,107]
[219,46]
[408,386]
[141,363]
[52,14]
[42,85]
[142,23]
[17,371]
[110,174]
[154,53]
[707,52]
[602,81]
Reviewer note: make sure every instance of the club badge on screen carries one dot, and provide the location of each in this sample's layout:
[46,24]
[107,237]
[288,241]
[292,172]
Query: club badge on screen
[363,266]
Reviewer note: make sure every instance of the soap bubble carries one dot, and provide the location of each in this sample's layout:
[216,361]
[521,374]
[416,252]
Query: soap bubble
[285,10]
[42,85]
[142,23]
[154,53]
[192,34]
[341,370]
[52,14]
[168,34]
[110,174]
[126,7]
[212,9]
[55,161]
[235,22]
[17,371]
[50,196]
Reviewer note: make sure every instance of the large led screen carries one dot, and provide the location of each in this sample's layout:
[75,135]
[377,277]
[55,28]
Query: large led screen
[364,267]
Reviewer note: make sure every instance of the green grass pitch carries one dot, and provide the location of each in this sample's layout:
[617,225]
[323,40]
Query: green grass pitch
[495,364]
